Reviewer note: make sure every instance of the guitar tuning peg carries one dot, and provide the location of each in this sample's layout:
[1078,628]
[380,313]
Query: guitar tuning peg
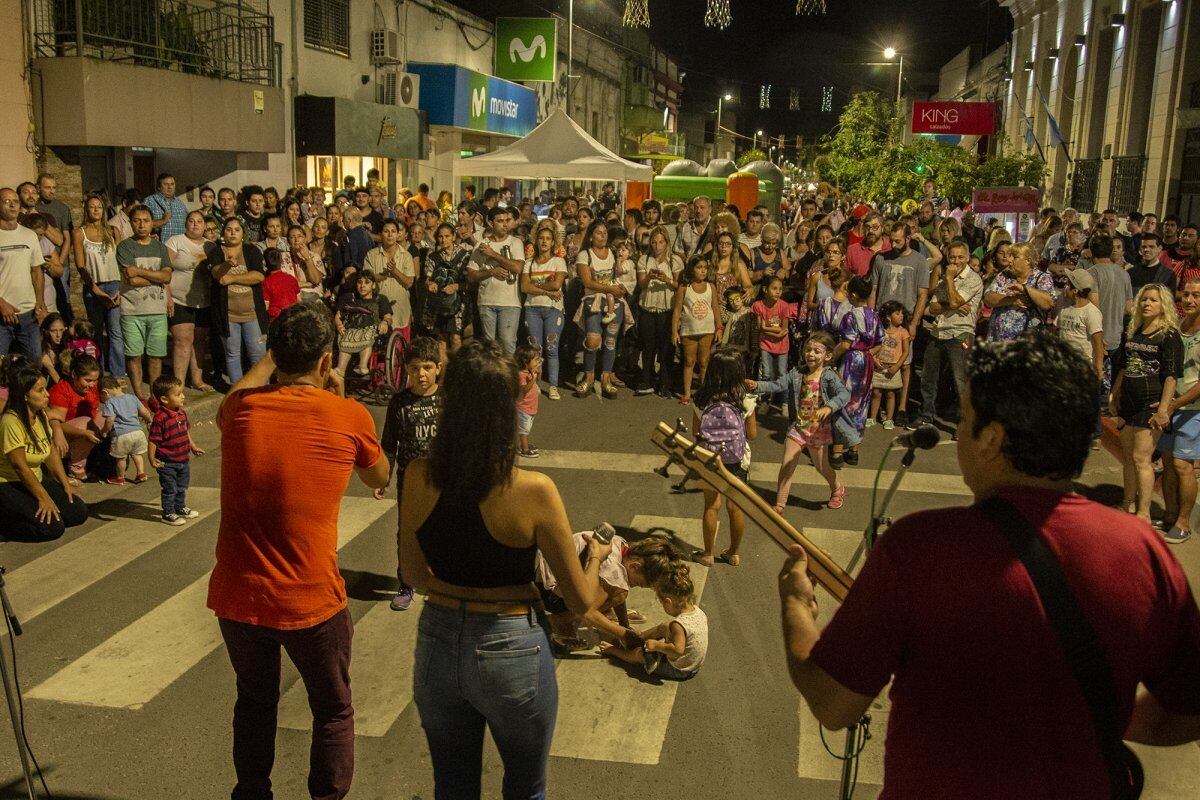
[679,426]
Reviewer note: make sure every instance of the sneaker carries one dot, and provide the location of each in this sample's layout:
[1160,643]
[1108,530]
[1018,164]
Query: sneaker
[1177,535]
[141,477]
[870,423]
[901,419]
[116,480]
[402,599]
[187,513]
[888,425]
[642,392]
[919,421]
[836,461]
[532,452]
[851,458]
[173,519]
[553,394]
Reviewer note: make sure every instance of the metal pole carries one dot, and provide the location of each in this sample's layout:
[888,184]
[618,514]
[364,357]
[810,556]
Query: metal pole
[570,52]
[717,133]
[900,79]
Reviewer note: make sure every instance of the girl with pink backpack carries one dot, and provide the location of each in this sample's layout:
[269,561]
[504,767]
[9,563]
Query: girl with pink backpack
[724,421]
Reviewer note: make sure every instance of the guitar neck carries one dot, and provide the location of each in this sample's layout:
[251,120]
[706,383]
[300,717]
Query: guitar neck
[709,468]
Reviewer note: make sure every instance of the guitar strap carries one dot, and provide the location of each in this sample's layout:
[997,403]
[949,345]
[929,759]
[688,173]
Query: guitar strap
[1081,646]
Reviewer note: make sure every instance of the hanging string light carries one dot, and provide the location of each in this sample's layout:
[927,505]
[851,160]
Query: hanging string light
[718,14]
[793,99]
[809,8]
[637,14]
[764,96]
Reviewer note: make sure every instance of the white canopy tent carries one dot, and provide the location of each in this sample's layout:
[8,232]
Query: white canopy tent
[558,149]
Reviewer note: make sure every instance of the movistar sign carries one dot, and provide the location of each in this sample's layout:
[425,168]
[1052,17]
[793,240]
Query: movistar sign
[462,98]
[526,48]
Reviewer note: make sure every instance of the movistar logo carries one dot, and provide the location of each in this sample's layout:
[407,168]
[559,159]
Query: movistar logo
[478,101]
[517,48]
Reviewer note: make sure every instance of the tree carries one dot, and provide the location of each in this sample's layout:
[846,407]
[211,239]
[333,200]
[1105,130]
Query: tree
[753,154]
[867,157]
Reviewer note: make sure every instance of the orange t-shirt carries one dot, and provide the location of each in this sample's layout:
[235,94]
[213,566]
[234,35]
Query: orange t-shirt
[287,453]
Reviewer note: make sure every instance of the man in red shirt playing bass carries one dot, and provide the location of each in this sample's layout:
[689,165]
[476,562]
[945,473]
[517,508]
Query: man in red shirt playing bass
[985,701]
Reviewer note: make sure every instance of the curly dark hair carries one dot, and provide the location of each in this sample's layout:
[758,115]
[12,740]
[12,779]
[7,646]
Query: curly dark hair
[1043,394]
[475,446]
[299,336]
[423,348]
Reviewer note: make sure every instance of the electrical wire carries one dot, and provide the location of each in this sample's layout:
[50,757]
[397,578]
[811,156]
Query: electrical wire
[12,643]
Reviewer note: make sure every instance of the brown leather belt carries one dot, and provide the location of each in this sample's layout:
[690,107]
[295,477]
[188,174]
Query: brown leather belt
[499,609]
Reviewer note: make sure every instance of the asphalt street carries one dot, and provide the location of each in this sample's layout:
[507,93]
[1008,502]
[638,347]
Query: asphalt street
[129,692]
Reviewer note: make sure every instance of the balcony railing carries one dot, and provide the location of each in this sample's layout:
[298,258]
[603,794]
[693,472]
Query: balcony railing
[1125,190]
[1085,184]
[228,39]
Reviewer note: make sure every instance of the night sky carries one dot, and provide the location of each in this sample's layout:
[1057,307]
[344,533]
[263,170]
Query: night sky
[768,43]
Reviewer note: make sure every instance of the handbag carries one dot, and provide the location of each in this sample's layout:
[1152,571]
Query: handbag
[1081,646]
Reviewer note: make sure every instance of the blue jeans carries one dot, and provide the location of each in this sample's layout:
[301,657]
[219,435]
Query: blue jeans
[608,334]
[472,670]
[500,325]
[545,325]
[242,333]
[107,320]
[25,334]
[173,479]
[774,367]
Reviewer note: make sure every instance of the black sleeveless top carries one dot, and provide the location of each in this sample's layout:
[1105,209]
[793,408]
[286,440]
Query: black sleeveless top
[459,549]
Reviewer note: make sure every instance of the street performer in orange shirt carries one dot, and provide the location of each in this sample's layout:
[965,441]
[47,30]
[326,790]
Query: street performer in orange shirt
[1025,636]
[287,453]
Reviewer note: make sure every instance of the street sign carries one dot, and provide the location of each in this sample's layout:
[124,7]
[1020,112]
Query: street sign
[964,119]
[526,48]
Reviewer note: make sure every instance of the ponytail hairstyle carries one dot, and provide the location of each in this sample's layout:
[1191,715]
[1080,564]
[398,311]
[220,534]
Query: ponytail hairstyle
[676,584]
[656,555]
[859,287]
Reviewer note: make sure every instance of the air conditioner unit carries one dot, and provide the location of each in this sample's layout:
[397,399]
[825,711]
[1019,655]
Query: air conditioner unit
[385,47]
[398,88]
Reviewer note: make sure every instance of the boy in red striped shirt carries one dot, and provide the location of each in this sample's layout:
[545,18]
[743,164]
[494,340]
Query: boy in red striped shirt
[171,446]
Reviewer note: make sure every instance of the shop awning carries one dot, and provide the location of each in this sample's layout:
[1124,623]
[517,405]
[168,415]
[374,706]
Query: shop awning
[558,149]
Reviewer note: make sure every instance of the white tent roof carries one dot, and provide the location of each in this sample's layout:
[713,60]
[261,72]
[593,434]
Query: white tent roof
[557,149]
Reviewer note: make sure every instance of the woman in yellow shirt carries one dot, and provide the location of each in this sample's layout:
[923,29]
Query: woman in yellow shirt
[37,503]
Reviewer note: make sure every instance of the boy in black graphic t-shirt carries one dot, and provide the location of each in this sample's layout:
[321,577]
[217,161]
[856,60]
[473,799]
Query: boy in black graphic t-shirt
[411,424]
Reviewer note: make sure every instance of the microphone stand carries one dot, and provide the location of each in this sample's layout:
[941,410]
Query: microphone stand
[858,734]
[14,628]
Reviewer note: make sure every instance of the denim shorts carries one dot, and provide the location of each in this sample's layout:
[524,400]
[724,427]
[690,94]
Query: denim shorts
[524,423]
[657,664]
[1183,439]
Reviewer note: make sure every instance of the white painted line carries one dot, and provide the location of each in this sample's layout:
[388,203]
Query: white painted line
[1172,773]
[137,663]
[381,669]
[815,763]
[852,477]
[603,715]
[69,569]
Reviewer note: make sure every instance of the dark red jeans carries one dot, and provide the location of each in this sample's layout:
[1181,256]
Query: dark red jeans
[322,655]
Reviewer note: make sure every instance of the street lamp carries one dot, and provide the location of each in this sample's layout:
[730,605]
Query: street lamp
[754,143]
[721,100]
[889,54]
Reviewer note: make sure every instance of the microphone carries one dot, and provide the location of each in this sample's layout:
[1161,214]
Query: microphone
[924,437]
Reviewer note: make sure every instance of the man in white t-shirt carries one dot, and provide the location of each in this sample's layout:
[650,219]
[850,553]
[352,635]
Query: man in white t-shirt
[21,281]
[954,307]
[495,265]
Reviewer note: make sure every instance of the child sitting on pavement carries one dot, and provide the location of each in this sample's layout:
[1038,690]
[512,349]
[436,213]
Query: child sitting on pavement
[674,650]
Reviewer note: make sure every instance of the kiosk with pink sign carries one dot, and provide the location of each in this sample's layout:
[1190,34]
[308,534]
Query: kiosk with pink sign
[1015,207]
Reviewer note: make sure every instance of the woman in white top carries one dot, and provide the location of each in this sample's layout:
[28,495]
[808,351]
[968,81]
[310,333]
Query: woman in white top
[188,301]
[694,322]
[542,283]
[396,270]
[95,245]
[657,278]
[596,265]
[306,266]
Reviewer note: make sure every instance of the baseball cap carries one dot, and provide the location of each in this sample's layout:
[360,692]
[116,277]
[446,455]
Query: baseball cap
[860,211]
[1081,280]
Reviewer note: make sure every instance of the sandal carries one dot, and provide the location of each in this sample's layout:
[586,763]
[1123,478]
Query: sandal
[837,498]
[582,389]
[635,616]
[702,560]
[685,401]
[779,510]
[568,644]
[732,559]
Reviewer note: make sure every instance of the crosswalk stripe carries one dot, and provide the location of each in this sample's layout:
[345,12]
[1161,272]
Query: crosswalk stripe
[381,671]
[765,472]
[603,715]
[67,570]
[815,763]
[133,666]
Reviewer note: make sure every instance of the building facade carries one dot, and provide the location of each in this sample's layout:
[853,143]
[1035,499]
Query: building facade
[1122,80]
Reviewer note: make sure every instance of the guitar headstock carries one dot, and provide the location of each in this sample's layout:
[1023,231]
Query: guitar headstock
[685,452]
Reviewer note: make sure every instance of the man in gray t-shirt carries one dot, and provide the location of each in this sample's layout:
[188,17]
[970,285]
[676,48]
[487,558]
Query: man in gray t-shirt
[902,274]
[145,274]
[1114,288]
